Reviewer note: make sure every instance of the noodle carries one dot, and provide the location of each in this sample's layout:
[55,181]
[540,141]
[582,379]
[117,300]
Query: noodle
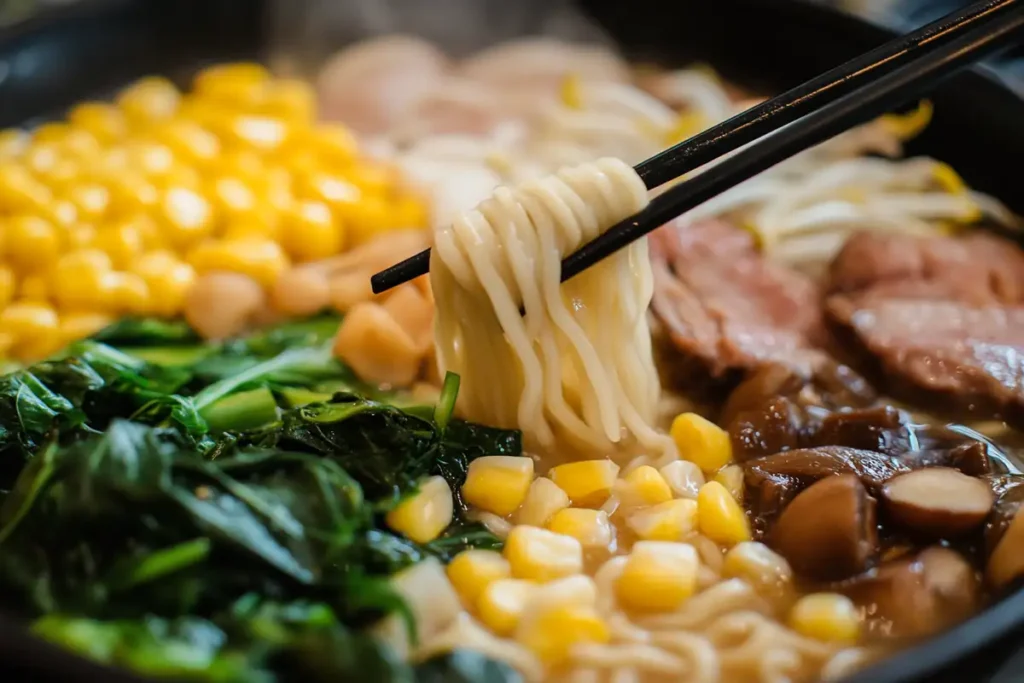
[577,368]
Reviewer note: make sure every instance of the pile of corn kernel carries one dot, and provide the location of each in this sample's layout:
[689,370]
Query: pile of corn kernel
[537,589]
[123,206]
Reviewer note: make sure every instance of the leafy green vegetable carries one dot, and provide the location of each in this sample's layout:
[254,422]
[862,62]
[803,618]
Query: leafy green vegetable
[215,512]
[147,332]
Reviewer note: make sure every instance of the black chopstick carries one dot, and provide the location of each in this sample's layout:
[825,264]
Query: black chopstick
[892,90]
[772,114]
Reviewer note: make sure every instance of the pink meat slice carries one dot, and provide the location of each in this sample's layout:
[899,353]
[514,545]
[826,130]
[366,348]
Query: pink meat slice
[723,303]
[942,318]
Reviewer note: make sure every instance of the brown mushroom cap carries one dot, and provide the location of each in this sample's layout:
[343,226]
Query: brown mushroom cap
[1006,563]
[917,596]
[828,531]
[937,501]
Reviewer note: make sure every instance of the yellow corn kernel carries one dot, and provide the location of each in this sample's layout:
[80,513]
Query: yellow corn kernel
[31,242]
[41,157]
[35,288]
[684,478]
[264,134]
[242,163]
[554,632]
[333,142]
[365,219]
[29,322]
[278,189]
[291,99]
[731,477]
[132,193]
[232,196]
[473,570]
[309,233]
[424,515]
[542,501]
[62,213]
[498,483]
[78,279]
[826,616]
[371,178]
[149,99]
[13,142]
[657,576]
[20,190]
[331,189]
[701,441]
[757,564]
[235,82]
[261,259]
[168,286]
[591,528]
[642,487]
[152,159]
[588,482]
[121,241]
[189,141]
[186,214]
[542,555]
[103,120]
[262,221]
[8,285]
[124,292]
[62,176]
[75,326]
[54,131]
[669,521]
[410,213]
[720,517]
[80,236]
[80,144]
[93,259]
[501,604]
[91,200]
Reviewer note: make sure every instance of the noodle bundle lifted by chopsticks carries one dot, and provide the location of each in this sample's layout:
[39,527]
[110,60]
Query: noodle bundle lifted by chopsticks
[577,368]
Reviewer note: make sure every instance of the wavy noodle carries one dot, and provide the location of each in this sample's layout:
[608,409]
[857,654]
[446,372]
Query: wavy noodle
[577,368]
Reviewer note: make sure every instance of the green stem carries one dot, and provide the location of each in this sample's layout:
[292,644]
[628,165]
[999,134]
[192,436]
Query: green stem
[167,561]
[242,411]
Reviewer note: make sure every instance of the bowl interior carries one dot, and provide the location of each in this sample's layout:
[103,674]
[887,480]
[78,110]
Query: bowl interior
[90,49]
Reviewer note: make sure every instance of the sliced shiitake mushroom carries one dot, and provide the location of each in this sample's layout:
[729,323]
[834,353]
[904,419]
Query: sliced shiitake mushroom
[828,531]
[1006,563]
[920,595]
[937,501]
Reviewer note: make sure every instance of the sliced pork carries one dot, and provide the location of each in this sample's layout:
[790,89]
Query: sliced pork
[939,319]
[721,302]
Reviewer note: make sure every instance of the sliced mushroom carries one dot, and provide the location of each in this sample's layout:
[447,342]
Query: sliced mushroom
[881,429]
[828,532]
[1009,492]
[778,425]
[759,388]
[1006,563]
[918,596]
[937,501]
[1004,531]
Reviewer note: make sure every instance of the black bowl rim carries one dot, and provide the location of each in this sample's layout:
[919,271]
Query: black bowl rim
[37,658]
